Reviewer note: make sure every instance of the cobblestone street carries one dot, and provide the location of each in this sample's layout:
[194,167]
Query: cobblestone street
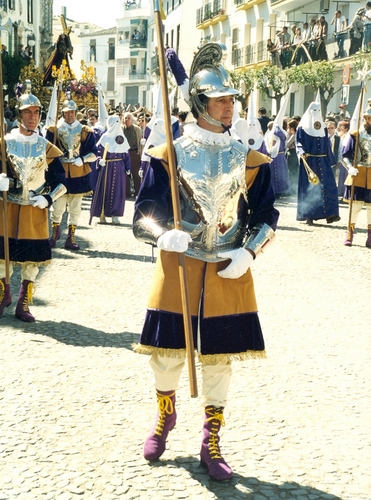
[76,402]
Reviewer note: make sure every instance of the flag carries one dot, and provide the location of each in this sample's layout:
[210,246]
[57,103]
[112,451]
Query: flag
[159,8]
[102,111]
[52,111]
[355,120]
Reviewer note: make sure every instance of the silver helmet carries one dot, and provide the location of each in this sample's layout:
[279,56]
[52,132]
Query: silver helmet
[367,112]
[209,78]
[27,99]
[69,105]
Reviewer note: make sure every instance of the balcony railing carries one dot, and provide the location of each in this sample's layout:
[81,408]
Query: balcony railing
[211,11]
[132,4]
[256,53]
[138,44]
[135,75]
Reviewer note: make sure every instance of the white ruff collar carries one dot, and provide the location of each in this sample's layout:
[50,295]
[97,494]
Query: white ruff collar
[202,136]
[15,135]
[63,125]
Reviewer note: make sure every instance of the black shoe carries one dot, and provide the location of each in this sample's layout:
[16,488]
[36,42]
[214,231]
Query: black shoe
[332,218]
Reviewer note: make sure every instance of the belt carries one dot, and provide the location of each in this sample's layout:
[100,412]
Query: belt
[317,156]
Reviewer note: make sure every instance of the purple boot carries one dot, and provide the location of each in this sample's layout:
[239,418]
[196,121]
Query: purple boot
[5,297]
[56,234]
[22,311]
[211,456]
[349,236]
[368,241]
[70,241]
[165,422]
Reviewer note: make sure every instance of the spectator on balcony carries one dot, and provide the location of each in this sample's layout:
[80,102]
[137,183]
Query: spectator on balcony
[305,32]
[285,47]
[324,24]
[340,23]
[293,33]
[312,40]
[320,35]
[355,29]
[366,17]
[273,51]
[299,55]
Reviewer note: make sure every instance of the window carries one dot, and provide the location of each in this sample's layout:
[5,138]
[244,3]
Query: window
[111,48]
[12,4]
[93,50]
[30,11]
[111,79]
[132,95]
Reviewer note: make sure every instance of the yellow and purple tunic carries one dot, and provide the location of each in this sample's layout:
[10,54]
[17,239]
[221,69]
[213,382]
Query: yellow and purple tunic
[224,311]
[32,163]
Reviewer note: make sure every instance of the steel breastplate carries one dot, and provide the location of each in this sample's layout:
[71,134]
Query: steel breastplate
[28,162]
[364,158]
[70,141]
[212,189]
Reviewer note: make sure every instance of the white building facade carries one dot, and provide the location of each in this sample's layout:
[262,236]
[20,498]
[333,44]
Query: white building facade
[124,56]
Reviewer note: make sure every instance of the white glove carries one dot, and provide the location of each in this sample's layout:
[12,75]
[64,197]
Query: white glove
[140,173]
[4,182]
[142,141]
[174,241]
[241,261]
[128,172]
[78,162]
[39,201]
[102,163]
[353,171]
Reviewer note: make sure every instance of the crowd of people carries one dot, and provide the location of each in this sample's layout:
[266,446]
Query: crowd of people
[313,161]
[297,45]
[102,161]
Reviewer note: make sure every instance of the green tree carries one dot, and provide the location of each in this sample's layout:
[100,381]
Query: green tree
[12,66]
[318,75]
[243,81]
[273,82]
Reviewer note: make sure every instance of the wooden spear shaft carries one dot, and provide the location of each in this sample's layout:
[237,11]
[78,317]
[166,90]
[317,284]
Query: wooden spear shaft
[176,204]
[5,194]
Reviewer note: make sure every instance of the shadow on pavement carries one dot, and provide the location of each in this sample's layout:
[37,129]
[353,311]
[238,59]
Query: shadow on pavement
[61,253]
[77,335]
[245,487]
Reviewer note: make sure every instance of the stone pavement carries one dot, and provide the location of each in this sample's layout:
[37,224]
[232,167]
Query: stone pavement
[76,403]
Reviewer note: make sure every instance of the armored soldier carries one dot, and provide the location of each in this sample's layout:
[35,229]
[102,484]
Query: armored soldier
[228,216]
[359,176]
[34,180]
[77,142]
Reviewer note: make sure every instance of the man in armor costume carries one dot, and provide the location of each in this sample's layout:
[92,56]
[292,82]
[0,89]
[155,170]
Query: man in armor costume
[77,142]
[359,176]
[34,180]
[228,216]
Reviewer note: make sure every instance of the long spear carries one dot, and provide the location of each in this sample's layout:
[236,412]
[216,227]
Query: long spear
[362,91]
[5,194]
[176,203]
